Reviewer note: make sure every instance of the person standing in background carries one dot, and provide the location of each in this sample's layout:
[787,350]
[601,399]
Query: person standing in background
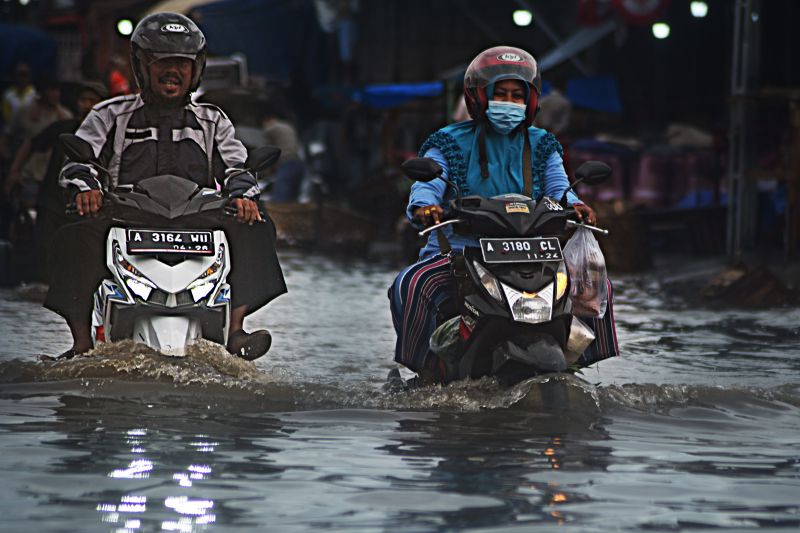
[20,94]
[290,169]
[28,169]
[554,110]
[50,201]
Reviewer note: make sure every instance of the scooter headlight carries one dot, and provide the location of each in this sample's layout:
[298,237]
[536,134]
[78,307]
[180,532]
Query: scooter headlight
[561,281]
[136,282]
[205,282]
[488,281]
[531,307]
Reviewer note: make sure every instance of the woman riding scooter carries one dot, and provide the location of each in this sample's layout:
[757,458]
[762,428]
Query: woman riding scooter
[484,156]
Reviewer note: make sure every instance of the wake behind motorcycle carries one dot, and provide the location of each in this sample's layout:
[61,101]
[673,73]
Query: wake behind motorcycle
[513,308]
[167,284]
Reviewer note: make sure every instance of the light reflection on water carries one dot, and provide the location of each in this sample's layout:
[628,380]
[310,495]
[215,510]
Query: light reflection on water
[695,427]
[429,470]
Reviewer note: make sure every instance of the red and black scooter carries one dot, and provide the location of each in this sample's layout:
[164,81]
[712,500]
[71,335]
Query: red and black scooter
[513,308]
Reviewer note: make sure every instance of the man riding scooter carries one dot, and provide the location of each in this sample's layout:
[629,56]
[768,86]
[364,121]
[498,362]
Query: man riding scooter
[162,132]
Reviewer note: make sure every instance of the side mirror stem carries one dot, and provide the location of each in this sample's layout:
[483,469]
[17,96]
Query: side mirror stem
[98,166]
[239,172]
[456,187]
[566,191]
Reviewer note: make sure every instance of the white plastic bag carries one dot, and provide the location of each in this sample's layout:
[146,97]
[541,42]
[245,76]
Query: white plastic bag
[587,273]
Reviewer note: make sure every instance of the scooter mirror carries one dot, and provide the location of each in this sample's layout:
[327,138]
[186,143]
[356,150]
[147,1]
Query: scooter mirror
[593,173]
[262,158]
[421,169]
[76,148]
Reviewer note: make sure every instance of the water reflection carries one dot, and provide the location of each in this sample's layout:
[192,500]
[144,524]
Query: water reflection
[192,473]
[493,455]
[137,469]
[194,512]
[183,464]
[168,465]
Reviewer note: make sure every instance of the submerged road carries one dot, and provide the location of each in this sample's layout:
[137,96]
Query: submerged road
[694,427]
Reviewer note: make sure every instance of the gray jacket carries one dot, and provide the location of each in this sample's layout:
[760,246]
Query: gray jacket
[135,141]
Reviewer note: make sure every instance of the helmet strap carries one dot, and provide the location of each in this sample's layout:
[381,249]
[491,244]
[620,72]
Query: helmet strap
[527,167]
[482,149]
[151,99]
[532,109]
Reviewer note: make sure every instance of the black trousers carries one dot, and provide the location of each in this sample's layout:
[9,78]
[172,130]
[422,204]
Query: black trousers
[77,261]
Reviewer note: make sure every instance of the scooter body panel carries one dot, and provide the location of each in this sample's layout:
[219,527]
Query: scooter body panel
[499,339]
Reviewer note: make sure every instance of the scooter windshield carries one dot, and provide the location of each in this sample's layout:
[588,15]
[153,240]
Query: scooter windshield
[512,198]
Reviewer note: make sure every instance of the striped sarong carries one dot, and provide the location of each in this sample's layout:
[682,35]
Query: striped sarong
[415,298]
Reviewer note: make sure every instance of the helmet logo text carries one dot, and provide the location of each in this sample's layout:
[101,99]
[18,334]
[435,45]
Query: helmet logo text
[508,56]
[174,28]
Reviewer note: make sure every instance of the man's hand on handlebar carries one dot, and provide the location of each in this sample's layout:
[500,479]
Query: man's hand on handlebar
[428,214]
[585,214]
[246,211]
[89,202]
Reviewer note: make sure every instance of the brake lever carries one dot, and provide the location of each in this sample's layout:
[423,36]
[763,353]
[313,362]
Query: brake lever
[439,225]
[573,224]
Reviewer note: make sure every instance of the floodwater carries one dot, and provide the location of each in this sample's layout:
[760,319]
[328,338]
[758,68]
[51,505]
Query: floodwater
[695,428]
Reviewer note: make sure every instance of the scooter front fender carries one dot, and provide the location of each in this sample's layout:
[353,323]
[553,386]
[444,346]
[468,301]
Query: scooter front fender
[169,335]
[540,352]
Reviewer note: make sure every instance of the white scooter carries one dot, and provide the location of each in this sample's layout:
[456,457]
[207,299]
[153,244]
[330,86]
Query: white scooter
[168,280]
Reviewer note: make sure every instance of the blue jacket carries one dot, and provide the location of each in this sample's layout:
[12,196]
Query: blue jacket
[454,148]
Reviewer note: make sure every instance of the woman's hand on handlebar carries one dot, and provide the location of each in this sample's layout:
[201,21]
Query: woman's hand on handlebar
[89,202]
[246,211]
[428,214]
[585,214]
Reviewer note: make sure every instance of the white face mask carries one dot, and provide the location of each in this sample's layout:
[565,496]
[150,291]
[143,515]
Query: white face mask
[505,116]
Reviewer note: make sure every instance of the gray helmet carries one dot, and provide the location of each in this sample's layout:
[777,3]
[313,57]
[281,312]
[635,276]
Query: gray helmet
[162,35]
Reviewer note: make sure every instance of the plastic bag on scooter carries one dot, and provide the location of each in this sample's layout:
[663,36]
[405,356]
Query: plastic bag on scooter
[580,337]
[587,272]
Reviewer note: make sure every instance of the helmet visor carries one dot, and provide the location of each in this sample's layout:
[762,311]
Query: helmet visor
[152,57]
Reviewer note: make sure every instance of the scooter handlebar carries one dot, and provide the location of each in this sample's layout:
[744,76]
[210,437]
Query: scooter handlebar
[109,198]
[231,211]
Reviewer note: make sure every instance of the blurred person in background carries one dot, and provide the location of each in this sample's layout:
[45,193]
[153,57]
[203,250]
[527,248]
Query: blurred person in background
[21,94]
[288,173]
[118,81]
[554,109]
[50,213]
[28,168]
